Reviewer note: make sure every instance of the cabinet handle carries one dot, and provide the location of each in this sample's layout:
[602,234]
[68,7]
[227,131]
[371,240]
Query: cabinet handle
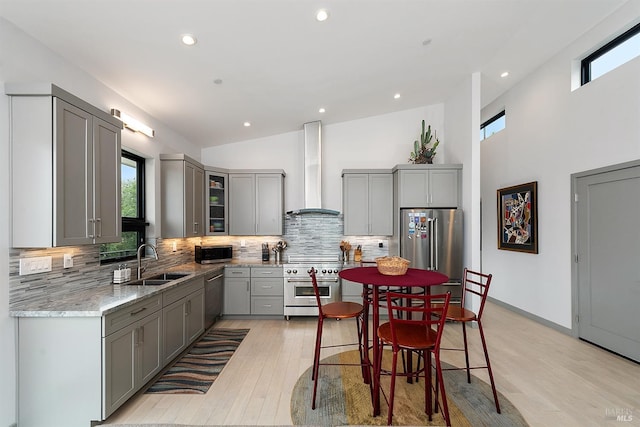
[99,227]
[266,287]
[188,310]
[141,334]
[267,305]
[133,313]
[215,278]
[93,227]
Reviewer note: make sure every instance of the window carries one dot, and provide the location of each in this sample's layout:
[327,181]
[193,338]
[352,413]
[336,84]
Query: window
[493,125]
[613,54]
[133,212]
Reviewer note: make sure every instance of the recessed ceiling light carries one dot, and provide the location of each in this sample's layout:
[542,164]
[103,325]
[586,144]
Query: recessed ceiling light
[321,110]
[426,42]
[218,81]
[396,96]
[247,124]
[322,15]
[505,74]
[189,39]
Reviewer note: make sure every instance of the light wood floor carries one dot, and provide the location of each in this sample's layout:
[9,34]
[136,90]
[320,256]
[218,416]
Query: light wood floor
[553,379]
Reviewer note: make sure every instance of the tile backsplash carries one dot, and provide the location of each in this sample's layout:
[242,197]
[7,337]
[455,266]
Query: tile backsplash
[310,234]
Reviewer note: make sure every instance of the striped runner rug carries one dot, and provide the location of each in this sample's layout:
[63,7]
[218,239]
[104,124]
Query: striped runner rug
[197,369]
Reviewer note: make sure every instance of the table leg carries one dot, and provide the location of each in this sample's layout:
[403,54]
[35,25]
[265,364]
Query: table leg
[376,349]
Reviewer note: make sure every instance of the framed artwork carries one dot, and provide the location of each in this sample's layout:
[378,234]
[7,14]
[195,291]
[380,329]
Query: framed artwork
[518,218]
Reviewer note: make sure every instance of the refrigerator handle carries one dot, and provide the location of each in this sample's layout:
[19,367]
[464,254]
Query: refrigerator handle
[433,252]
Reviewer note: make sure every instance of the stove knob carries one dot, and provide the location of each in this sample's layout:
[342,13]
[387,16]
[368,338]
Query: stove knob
[324,271]
[309,270]
[335,271]
[288,271]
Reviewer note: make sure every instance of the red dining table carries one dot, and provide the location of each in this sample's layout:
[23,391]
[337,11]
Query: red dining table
[372,279]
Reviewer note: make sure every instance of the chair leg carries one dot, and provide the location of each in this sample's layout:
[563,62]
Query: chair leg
[466,350]
[316,362]
[363,348]
[393,386]
[427,387]
[486,357]
[443,394]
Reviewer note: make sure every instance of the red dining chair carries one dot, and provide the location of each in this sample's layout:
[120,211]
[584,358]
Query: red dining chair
[474,283]
[338,311]
[422,335]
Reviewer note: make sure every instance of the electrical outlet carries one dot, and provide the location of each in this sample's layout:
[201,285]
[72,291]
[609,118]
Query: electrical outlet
[243,243]
[35,265]
[380,243]
[68,260]
[174,246]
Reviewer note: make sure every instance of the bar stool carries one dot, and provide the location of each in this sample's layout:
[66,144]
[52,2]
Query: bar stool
[402,332]
[474,283]
[337,310]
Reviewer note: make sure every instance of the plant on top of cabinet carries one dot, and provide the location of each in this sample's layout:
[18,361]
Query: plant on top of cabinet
[422,153]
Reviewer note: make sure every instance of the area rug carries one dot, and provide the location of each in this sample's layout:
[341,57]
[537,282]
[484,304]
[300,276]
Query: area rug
[194,372]
[343,399]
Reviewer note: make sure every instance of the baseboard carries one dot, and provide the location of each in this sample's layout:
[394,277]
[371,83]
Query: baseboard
[533,317]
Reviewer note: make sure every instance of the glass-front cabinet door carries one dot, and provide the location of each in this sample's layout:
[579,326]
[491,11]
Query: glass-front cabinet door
[217,202]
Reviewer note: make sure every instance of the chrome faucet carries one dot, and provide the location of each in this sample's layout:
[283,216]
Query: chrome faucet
[140,267]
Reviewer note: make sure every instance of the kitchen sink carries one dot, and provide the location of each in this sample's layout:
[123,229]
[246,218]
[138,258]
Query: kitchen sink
[147,282]
[157,280]
[168,276]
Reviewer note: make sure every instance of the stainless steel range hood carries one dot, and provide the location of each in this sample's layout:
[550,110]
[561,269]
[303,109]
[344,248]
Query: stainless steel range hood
[313,171]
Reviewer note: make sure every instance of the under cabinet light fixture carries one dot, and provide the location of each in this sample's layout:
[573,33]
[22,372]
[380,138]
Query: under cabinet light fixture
[133,124]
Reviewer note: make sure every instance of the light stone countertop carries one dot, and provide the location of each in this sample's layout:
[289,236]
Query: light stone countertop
[104,299]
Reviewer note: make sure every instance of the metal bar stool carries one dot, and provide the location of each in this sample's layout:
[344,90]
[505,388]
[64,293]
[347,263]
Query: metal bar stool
[477,284]
[422,335]
[337,310]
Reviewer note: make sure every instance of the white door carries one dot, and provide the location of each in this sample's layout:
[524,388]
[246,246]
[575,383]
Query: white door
[608,273]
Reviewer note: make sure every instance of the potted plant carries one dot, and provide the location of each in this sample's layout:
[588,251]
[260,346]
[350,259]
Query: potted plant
[422,152]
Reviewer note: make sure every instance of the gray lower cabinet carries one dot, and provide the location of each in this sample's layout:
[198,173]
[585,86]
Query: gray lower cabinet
[237,290]
[75,370]
[267,291]
[351,291]
[182,316]
[133,353]
[253,291]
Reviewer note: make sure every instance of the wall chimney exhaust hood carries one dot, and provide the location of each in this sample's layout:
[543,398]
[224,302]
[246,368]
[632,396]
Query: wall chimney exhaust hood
[313,172]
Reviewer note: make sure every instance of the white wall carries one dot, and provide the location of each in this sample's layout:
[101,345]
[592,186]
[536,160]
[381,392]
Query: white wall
[374,142]
[552,132]
[23,59]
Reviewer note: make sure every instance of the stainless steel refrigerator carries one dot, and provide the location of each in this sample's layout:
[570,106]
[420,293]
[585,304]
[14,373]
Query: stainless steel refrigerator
[432,240]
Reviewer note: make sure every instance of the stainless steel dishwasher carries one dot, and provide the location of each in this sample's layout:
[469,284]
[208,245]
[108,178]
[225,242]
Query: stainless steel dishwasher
[213,297]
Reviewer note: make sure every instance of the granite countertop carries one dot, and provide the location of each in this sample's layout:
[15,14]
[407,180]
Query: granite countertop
[104,299]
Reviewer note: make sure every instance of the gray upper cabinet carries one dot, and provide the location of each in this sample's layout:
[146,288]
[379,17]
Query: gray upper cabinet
[256,203]
[182,200]
[432,186]
[367,202]
[217,201]
[65,169]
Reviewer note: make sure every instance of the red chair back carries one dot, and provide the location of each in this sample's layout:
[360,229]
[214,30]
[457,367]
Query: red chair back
[316,291]
[431,310]
[476,283]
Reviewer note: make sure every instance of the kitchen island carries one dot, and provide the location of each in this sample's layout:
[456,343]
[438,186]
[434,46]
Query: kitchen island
[82,355]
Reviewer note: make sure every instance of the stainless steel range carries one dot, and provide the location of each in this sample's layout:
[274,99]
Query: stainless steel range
[299,298]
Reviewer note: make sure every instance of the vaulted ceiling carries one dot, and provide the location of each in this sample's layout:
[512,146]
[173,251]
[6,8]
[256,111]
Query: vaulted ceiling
[271,63]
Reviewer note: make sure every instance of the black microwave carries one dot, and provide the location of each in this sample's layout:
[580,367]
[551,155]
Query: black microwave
[213,254]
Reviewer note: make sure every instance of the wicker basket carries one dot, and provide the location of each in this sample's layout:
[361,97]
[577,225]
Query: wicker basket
[392,265]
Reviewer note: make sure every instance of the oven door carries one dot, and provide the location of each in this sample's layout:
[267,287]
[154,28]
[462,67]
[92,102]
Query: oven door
[299,293]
